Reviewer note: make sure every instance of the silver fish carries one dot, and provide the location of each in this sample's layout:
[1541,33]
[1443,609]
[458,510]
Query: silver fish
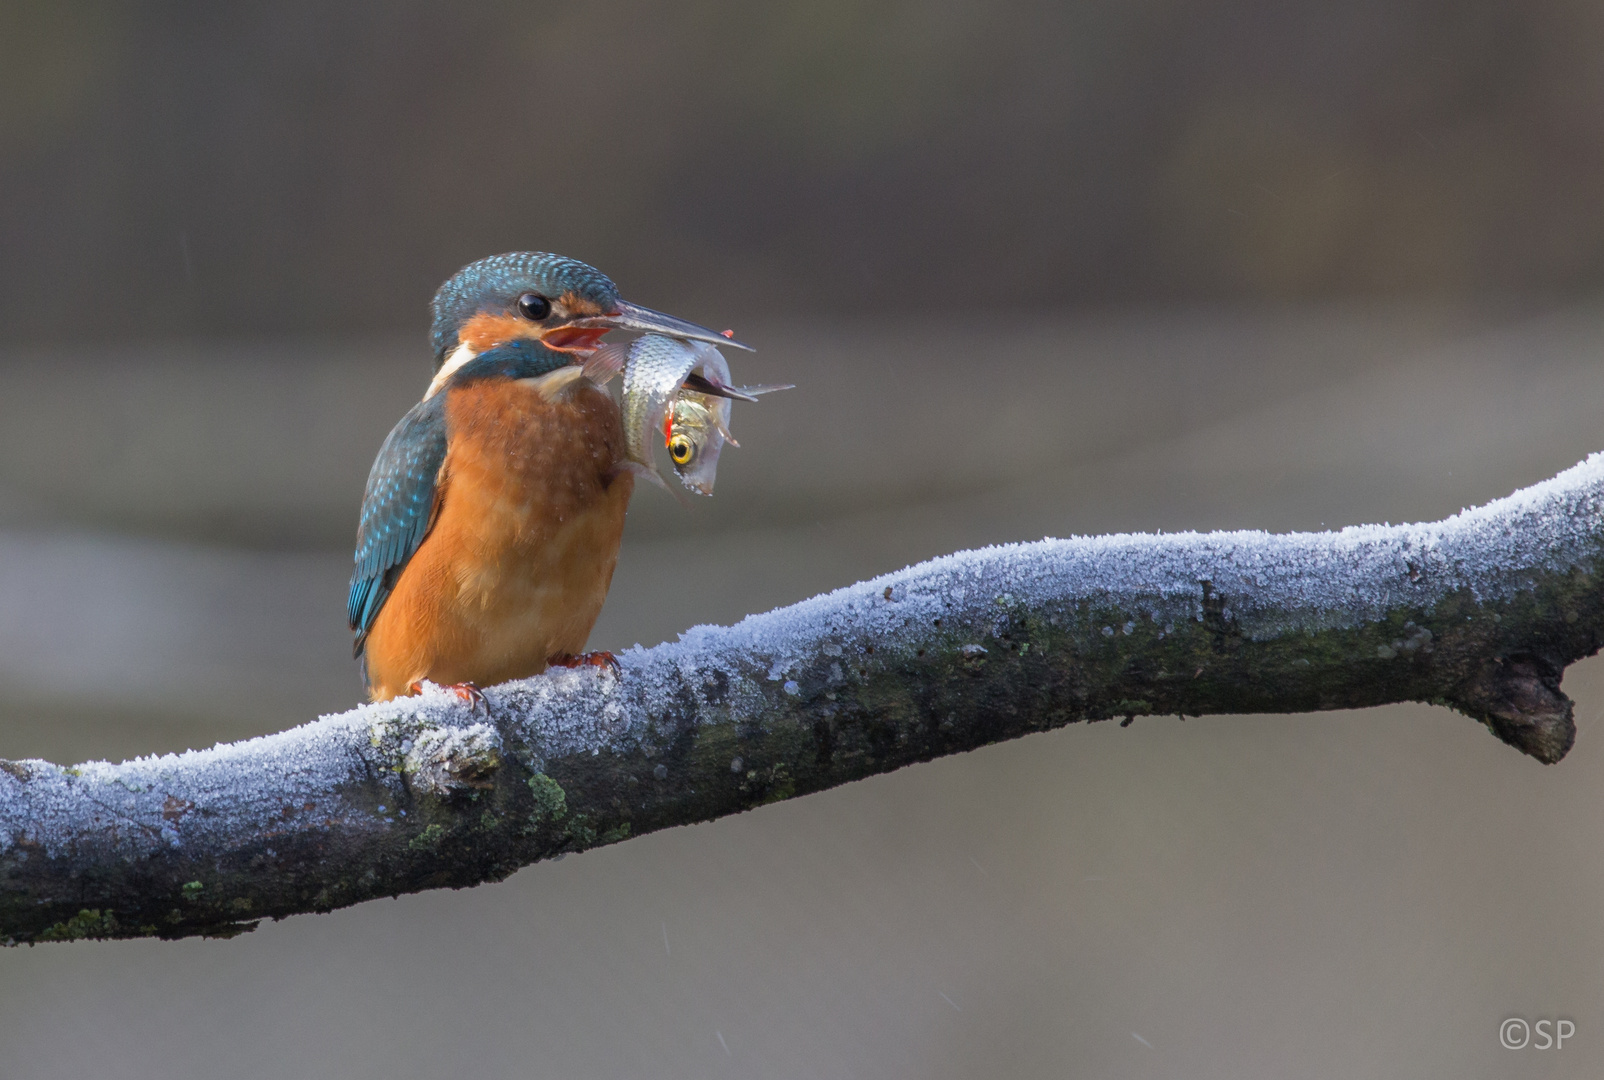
[692,420]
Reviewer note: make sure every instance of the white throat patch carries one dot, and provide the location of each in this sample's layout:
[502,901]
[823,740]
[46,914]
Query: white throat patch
[459,356]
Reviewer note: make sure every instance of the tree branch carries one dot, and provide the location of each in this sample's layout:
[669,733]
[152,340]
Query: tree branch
[1481,612]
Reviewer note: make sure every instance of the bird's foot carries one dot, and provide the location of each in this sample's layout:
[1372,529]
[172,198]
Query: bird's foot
[465,691]
[593,659]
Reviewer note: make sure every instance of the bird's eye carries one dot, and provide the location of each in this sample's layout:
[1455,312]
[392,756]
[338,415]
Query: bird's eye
[533,306]
[681,449]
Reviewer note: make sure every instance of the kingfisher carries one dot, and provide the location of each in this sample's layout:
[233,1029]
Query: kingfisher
[493,514]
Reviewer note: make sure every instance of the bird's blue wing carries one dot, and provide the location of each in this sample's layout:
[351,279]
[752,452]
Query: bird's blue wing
[397,509]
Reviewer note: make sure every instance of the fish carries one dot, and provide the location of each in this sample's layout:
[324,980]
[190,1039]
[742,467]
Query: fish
[678,392]
[695,430]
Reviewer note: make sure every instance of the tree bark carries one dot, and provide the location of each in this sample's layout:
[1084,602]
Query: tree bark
[1481,612]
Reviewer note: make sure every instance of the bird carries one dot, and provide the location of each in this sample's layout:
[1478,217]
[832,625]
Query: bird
[492,517]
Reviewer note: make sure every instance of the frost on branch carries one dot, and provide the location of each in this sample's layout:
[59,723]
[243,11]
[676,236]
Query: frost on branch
[1481,612]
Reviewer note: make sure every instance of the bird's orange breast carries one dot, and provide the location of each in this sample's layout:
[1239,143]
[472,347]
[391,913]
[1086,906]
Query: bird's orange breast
[528,520]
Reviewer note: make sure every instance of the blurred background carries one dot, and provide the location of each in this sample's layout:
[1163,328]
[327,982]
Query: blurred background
[1037,268]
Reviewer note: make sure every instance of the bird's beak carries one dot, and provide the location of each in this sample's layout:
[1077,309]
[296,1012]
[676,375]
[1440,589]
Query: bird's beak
[646,321]
[703,385]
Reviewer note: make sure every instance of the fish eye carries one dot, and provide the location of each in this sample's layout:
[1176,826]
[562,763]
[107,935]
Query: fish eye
[681,449]
[533,306]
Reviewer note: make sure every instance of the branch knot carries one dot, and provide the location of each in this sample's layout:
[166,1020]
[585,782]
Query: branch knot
[1519,699]
[451,761]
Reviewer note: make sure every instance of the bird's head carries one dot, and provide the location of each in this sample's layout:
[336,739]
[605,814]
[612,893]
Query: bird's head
[562,303]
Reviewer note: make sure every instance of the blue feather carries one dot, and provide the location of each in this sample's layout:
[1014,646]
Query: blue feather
[396,509]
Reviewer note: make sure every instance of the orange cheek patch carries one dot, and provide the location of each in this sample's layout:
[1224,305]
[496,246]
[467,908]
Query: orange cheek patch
[488,329]
[578,305]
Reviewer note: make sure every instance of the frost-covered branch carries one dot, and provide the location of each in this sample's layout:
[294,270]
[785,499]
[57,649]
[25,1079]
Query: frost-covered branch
[1481,612]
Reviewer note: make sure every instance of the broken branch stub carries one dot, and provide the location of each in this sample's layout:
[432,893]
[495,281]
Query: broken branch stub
[1481,612]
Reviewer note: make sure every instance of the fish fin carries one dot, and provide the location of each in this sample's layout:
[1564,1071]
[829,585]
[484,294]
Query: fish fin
[750,392]
[643,472]
[553,384]
[646,472]
[608,360]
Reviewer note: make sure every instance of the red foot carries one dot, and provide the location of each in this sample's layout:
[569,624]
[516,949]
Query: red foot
[465,691]
[594,659]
